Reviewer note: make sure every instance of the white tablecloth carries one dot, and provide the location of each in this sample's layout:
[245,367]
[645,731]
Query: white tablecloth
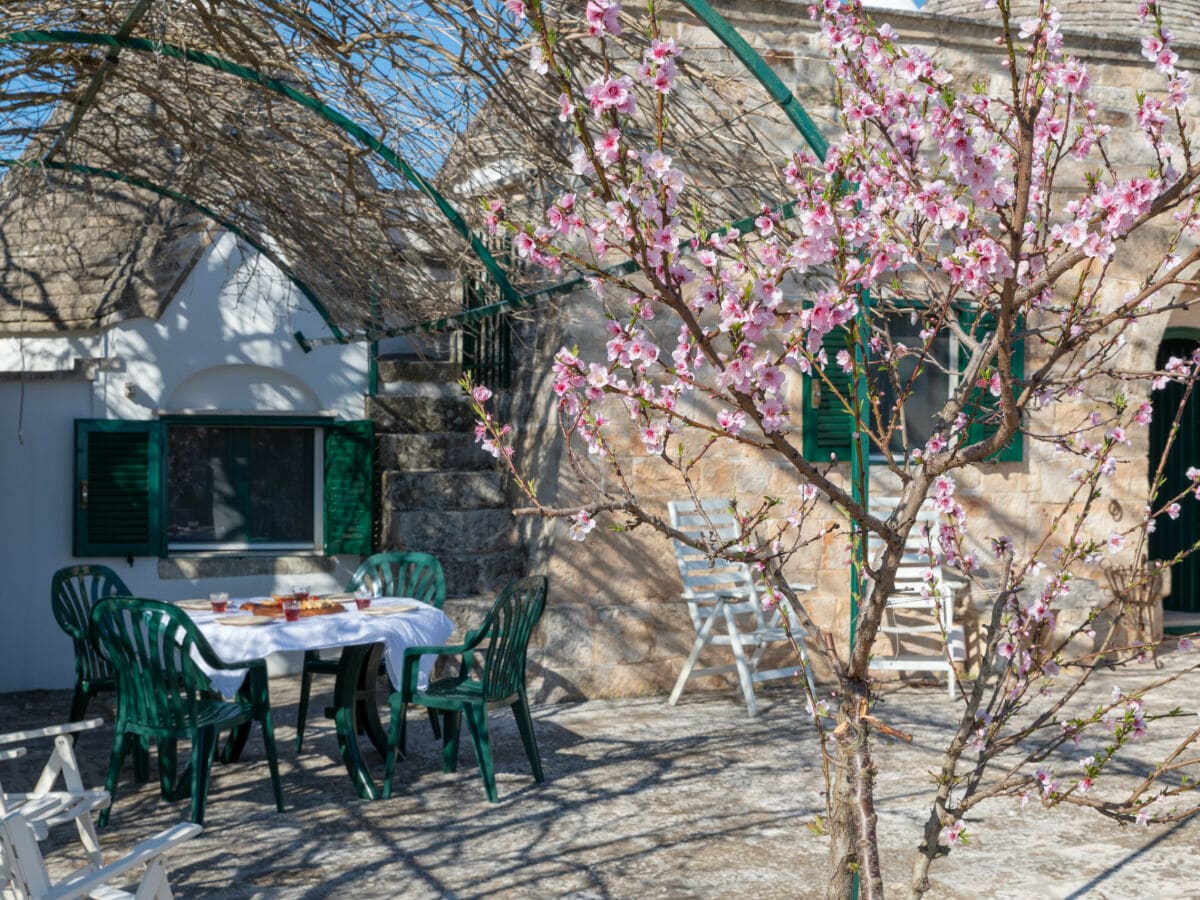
[424,626]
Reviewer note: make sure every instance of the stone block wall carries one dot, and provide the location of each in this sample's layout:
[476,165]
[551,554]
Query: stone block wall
[615,626]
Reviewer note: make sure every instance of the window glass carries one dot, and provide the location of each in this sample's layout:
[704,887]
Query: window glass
[239,485]
[928,393]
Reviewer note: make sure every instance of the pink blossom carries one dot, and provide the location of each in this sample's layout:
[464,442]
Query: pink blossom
[495,212]
[523,244]
[955,834]
[733,422]
[608,146]
[602,17]
[481,394]
[537,60]
[565,108]
[581,525]
[611,93]
[517,8]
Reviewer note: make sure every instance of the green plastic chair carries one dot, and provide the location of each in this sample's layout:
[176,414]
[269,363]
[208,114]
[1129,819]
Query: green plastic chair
[498,649]
[416,575]
[73,592]
[162,694]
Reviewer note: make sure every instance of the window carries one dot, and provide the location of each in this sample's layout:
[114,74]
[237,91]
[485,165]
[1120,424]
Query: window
[211,483]
[828,426]
[929,392]
[241,487]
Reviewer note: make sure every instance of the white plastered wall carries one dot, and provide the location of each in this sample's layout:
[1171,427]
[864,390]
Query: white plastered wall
[225,343]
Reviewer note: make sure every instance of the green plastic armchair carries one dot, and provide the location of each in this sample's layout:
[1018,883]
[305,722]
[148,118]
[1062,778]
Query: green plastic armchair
[497,649]
[416,575]
[73,592]
[162,694]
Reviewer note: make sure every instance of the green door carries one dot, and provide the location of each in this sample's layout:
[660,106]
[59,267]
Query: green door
[1171,537]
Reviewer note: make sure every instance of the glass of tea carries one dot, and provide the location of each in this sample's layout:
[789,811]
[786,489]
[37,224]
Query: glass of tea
[219,601]
[362,598]
[291,608]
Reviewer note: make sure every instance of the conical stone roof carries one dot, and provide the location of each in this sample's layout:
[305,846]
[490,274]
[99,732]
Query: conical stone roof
[1114,18]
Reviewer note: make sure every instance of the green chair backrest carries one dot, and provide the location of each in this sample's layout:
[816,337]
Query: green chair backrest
[503,638]
[74,591]
[416,575]
[150,644]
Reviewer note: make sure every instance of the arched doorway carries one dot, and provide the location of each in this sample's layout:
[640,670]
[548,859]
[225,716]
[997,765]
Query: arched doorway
[1172,536]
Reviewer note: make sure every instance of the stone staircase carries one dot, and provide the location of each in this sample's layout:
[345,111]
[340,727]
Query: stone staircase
[439,492]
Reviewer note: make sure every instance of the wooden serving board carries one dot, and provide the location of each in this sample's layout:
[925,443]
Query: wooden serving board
[276,612]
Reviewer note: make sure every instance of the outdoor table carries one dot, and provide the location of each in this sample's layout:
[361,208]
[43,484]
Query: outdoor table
[362,636]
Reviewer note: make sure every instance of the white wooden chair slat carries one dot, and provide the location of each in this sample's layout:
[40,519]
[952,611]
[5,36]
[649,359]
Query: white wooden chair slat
[22,737]
[24,868]
[911,578]
[44,807]
[725,591]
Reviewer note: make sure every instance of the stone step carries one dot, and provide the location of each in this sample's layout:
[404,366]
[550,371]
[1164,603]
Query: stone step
[441,490]
[435,450]
[481,574]
[407,368]
[410,414]
[451,531]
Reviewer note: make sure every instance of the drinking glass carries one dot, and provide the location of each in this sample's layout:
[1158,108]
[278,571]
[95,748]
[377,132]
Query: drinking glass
[362,598]
[219,601]
[291,608]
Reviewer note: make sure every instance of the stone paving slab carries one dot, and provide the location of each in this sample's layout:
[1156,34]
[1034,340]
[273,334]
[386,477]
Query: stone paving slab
[641,800]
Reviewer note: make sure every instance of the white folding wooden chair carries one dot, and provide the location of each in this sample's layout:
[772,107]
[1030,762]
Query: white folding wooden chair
[23,870]
[919,618]
[45,806]
[719,591]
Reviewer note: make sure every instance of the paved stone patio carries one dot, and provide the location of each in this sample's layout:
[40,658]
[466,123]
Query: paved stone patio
[641,800]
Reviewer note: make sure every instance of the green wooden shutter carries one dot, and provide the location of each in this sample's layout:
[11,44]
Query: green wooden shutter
[349,483]
[828,425]
[981,404]
[118,488]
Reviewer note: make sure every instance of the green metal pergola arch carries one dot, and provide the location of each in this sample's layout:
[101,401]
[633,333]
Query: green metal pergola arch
[754,63]
[381,150]
[728,35]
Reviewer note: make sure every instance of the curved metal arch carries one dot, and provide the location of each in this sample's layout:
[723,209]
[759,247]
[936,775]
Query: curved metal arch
[716,23]
[327,112]
[757,66]
[775,88]
[859,468]
[207,212]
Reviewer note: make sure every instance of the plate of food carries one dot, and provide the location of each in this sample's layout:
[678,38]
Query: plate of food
[245,621]
[197,605]
[309,606]
[391,609]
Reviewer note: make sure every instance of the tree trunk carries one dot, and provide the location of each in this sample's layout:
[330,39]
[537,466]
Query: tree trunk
[853,844]
[843,854]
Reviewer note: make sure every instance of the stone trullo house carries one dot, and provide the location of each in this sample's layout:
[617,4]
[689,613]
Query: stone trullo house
[171,321]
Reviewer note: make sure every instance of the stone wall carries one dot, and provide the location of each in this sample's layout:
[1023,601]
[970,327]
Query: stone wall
[615,626]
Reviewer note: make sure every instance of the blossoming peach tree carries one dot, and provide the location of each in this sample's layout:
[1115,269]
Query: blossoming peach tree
[940,215]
